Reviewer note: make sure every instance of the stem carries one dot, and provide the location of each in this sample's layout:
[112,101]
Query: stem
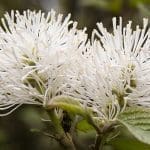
[64,138]
[55,121]
[91,122]
[99,143]
[101,138]
[102,142]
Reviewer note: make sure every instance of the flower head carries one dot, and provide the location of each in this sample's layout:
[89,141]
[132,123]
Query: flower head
[36,52]
[127,53]
[116,70]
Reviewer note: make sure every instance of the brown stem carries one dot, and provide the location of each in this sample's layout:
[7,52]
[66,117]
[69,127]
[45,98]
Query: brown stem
[100,141]
[66,142]
[101,138]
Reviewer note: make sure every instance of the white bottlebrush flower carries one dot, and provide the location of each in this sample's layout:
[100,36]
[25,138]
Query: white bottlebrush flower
[127,53]
[36,50]
[116,70]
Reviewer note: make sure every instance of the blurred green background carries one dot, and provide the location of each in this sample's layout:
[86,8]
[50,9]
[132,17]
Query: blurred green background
[15,131]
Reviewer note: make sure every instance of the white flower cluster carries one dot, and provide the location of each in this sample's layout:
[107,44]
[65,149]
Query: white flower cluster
[36,52]
[117,70]
[45,56]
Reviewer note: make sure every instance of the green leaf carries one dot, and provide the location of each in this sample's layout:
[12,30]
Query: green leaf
[69,104]
[84,126]
[95,3]
[127,143]
[113,6]
[137,121]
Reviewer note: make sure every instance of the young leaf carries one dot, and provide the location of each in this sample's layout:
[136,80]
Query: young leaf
[84,126]
[68,104]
